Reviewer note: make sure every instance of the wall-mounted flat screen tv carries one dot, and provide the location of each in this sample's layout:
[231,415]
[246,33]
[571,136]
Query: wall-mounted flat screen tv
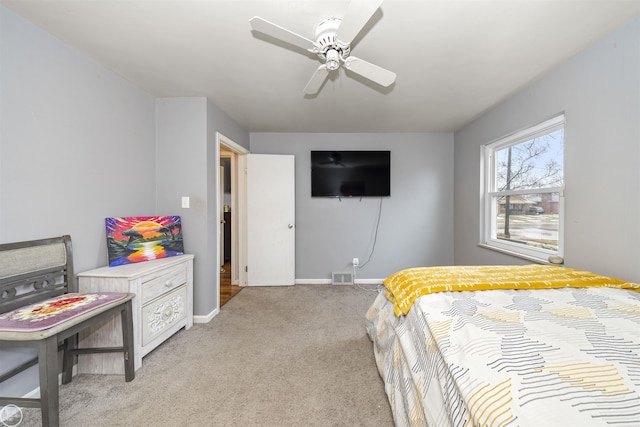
[350,173]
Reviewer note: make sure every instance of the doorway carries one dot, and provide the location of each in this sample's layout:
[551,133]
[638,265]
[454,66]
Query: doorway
[230,158]
[227,287]
[239,212]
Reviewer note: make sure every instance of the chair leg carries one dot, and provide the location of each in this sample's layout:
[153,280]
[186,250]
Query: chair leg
[68,357]
[126,316]
[48,367]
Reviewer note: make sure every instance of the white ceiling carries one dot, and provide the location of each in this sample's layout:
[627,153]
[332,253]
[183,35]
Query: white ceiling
[454,59]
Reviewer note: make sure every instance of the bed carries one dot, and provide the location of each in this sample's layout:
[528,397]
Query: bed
[527,345]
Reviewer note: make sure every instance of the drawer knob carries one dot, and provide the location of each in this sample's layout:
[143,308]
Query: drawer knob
[168,283]
[167,313]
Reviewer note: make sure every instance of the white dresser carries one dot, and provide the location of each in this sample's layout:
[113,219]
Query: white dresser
[163,305]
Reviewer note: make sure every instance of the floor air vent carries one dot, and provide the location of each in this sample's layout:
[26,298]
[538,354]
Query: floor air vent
[342,278]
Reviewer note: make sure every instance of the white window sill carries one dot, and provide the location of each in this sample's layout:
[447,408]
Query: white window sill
[518,255]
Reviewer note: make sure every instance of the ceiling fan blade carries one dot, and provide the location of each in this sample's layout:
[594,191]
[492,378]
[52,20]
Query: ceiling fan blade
[358,14]
[370,71]
[273,30]
[318,78]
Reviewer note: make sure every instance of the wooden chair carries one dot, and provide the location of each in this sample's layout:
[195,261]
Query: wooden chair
[40,308]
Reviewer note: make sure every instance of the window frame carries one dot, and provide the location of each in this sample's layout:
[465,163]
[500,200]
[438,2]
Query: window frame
[488,191]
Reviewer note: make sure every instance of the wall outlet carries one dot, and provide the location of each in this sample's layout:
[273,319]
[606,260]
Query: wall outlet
[355,262]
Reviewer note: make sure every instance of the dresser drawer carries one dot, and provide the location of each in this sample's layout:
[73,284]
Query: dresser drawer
[163,282]
[159,316]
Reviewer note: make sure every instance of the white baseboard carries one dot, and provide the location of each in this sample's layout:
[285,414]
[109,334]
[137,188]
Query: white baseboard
[35,393]
[206,318]
[312,281]
[369,281]
[10,411]
[328,282]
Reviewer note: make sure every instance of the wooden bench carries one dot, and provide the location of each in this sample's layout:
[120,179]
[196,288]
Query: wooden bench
[40,308]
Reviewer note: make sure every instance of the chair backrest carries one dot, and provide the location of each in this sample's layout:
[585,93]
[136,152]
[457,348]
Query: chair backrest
[35,270]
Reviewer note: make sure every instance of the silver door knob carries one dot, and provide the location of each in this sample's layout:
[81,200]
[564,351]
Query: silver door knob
[290,226]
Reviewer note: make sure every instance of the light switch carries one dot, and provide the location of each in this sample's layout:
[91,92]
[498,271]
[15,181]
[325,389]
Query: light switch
[185,202]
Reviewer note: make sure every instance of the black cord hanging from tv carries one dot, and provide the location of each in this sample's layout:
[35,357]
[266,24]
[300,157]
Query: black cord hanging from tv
[375,236]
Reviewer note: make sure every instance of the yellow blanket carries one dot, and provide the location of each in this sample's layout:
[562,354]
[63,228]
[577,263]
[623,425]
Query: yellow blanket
[405,286]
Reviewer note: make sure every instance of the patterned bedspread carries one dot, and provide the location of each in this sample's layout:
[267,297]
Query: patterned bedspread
[542,357]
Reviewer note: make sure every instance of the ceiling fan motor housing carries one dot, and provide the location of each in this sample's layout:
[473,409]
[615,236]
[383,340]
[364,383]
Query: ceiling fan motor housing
[329,48]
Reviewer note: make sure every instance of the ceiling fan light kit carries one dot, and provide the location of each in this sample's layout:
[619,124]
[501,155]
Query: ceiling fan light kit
[333,60]
[333,44]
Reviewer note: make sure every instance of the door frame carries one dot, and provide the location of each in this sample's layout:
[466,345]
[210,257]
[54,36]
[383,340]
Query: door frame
[238,211]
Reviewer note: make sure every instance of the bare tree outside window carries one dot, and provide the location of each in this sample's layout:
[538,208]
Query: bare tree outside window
[522,187]
[535,164]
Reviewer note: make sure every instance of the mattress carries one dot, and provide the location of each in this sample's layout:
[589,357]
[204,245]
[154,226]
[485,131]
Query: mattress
[511,357]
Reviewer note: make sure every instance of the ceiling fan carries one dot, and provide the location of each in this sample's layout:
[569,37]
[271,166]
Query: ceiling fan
[333,37]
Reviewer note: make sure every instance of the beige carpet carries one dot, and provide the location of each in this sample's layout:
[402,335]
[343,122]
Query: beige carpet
[277,356]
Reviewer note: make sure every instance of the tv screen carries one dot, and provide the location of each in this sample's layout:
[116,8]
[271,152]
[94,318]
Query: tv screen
[350,173]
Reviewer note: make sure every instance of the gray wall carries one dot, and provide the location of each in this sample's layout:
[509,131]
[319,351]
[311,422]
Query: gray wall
[186,160]
[76,146]
[599,90]
[79,144]
[416,221]
[75,143]
[182,146]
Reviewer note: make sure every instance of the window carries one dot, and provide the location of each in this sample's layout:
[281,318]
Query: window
[522,197]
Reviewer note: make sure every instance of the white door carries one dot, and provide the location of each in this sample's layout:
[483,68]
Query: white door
[270,220]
